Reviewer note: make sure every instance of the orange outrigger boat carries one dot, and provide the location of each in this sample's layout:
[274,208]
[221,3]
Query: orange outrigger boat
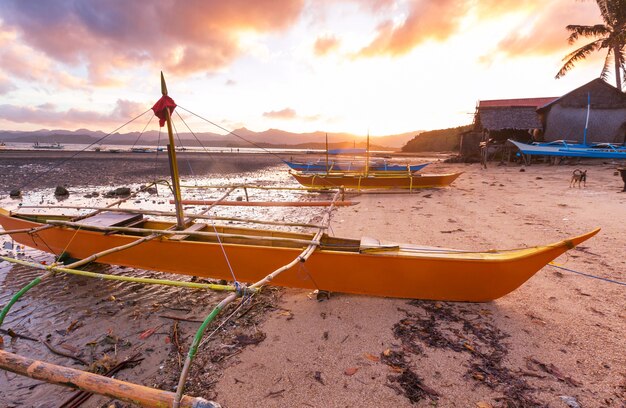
[373,180]
[367,266]
[407,179]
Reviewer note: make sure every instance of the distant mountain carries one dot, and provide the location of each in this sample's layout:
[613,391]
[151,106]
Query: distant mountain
[238,138]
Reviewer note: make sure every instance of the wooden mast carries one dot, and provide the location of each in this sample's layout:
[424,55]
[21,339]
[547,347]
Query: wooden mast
[327,168]
[171,154]
[367,154]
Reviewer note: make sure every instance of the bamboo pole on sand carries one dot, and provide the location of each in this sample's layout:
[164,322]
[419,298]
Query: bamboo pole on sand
[97,384]
[53,268]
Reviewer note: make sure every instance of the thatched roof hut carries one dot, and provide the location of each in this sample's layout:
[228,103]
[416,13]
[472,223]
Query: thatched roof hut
[501,114]
[501,119]
[564,118]
[495,121]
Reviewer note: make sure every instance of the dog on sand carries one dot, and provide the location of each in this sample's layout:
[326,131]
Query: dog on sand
[578,176]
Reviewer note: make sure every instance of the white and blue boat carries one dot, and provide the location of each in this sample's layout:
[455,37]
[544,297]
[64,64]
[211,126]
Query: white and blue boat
[322,167]
[566,148]
[569,148]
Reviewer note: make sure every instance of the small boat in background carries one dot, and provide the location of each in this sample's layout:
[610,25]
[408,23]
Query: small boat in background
[55,145]
[321,167]
[140,149]
[565,148]
[368,178]
[374,180]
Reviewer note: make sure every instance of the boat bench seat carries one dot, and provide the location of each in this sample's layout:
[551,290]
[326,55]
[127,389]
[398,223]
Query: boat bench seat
[369,244]
[198,226]
[112,219]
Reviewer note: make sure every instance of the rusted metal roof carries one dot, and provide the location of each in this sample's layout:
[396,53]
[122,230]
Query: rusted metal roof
[507,103]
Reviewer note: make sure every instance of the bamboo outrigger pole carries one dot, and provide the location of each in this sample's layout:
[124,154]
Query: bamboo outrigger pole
[268,203]
[167,214]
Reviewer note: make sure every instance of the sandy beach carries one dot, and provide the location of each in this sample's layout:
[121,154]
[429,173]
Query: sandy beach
[557,341]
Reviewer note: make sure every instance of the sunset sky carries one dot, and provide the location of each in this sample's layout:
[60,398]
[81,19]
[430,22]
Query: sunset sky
[381,66]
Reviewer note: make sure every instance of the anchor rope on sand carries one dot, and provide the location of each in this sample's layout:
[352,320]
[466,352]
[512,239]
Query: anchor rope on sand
[587,274]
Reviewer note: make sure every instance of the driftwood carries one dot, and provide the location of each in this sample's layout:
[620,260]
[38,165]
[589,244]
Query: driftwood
[94,383]
[62,354]
[13,334]
[180,318]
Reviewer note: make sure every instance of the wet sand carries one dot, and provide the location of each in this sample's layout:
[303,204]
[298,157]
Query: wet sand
[559,336]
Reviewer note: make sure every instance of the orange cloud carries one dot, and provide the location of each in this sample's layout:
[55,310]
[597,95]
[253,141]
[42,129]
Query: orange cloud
[48,115]
[426,20]
[183,36]
[290,114]
[285,114]
[544,33]
[438,20]
[21,62]
[325,44]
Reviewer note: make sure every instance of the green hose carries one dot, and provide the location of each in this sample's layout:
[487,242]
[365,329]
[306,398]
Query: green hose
[19,294]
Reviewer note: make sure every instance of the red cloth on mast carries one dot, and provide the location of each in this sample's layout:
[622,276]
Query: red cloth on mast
[159,108]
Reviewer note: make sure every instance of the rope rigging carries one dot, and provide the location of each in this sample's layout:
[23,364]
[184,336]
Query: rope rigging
[142,132]
[230,132]
[62,162]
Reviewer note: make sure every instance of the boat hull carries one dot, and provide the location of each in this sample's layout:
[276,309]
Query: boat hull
[361,181]
[572,150]
[400,272]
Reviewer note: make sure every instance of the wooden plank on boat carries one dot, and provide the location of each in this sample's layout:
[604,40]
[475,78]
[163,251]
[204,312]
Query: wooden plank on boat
[112,219]
[198,226]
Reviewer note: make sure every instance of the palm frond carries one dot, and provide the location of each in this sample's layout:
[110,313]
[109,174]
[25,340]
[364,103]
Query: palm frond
[621,57]
[613,12]
[605,12]
[604,74]
[578,55]
[586,31]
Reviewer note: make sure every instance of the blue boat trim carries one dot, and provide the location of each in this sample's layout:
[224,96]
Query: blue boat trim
[318,167]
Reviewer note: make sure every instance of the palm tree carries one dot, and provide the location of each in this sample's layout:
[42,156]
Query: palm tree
[610,35]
